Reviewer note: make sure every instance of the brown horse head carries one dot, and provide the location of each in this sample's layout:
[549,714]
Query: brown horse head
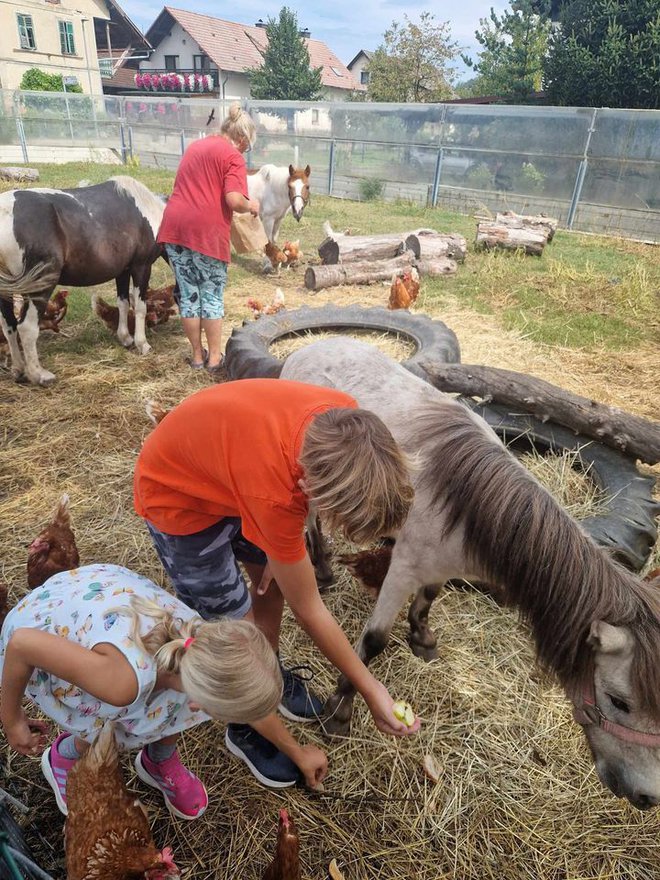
[299,189]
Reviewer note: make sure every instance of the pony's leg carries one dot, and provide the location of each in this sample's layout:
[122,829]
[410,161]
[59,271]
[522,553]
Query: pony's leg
[319,552]
[139,301]
[397,586]
[276,228]
[28,331]
[9,325]
[123,282]
[422,640]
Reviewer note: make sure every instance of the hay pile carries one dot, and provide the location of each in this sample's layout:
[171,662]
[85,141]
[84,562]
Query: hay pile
[517,798]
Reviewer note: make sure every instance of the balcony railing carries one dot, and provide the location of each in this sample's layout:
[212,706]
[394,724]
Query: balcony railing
[188,74]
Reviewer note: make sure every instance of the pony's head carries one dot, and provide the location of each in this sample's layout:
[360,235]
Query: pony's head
[622,728]
[299,189]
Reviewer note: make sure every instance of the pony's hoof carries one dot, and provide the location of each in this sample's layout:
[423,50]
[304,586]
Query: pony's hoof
[143,348]
[126,341]
[424,652]
[337,715]
[18,374]
[43,378]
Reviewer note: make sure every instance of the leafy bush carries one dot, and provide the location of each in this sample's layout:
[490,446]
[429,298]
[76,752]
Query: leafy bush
[480,176]
[530,178]
[35,80]
[371,188]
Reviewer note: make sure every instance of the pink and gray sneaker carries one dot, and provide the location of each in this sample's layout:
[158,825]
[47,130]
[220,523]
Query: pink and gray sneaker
[185,795]
[56,769]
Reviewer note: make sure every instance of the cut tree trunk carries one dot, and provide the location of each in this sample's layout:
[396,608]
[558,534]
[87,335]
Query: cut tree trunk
[354,248]
[492,235]
[548,225]
[436,266]
[427,245]
[13,173]
[363,272]
[614,427]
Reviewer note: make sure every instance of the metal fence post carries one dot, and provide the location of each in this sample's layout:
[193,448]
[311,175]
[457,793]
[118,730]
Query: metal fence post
[331,168]
[582,171]
[437,174]
[183,142]
[130,141]
[122,139]
[21,137]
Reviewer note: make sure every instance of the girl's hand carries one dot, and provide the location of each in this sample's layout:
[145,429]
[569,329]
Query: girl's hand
[381,706]
[313,763]
[27,735]
[265,582]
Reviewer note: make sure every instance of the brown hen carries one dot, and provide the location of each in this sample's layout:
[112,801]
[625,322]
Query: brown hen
[276,256]
[369,566]
[160,307]
[291,250]
[55,311]
[404,290]
[107,835]
[286,862]
[54,549]
[275,305]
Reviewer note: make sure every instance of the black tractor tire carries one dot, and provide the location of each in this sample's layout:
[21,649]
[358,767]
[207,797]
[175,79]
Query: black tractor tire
[247,355]
[627,529]
[16,840]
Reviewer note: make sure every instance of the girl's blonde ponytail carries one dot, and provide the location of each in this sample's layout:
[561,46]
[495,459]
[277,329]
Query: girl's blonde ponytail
[229,669]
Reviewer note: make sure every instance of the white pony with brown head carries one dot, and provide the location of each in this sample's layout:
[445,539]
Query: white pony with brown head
[279,190]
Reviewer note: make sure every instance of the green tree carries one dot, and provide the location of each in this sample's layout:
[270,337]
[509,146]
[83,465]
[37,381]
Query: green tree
[286,74]
[514,46]
[35,80]
[412,64]
[606,53]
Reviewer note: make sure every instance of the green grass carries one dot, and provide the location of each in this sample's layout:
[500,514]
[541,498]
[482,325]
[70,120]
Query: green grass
[584,291]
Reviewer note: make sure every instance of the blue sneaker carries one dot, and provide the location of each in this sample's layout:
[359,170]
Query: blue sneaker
[270,766]
[299,703]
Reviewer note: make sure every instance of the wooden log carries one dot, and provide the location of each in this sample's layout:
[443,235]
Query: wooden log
[427,245]
[490,235]
[610,425]
[362,272]
[13,173]
[537,222]
[338,247]
[436,266]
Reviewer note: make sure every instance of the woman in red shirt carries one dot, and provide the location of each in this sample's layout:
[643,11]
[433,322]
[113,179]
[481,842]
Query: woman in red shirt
[210,184]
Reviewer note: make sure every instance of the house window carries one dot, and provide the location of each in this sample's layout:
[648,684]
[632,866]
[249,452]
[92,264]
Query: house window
[336,71]
[26,32]
[106,67]
[315,117]
[67,46]
[201,62]
[364,77]
[171,62]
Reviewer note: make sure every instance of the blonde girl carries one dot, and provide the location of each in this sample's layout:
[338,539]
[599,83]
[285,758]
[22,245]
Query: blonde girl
[102,643]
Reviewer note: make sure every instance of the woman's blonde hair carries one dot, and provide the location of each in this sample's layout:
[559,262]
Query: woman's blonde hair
[355,475]
[238,125]
[229,669]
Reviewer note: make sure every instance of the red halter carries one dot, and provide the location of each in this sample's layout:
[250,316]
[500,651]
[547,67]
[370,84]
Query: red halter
[589,713]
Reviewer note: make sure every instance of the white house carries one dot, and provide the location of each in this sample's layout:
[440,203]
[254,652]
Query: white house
[188,42]
[359,67]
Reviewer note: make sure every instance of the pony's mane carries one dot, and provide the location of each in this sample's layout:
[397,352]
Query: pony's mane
[517,535]
[151,206]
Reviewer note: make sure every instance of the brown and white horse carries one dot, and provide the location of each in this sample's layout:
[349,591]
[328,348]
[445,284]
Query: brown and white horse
[83,236]
[478,514]
[279,189]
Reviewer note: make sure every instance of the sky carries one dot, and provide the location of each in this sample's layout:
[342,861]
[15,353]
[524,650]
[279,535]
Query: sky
[345,25]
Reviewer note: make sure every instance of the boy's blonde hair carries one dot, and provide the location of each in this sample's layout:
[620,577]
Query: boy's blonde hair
[238,125]
[355,475]
[230,669]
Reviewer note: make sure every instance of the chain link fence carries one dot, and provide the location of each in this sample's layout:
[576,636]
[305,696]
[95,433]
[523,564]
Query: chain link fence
[596,170]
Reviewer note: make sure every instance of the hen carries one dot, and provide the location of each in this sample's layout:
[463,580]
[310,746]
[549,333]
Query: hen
[274,306]
[54,549]
[160,307]
[107,835]
[404,290]
[55,311]
[369,566]
[292,252]
[275,255]
[286,862]
[155,411]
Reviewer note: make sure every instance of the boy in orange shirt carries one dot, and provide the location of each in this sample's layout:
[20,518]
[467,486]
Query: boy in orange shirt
[229,476]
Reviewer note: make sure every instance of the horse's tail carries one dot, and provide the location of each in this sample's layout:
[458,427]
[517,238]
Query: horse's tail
[40,278]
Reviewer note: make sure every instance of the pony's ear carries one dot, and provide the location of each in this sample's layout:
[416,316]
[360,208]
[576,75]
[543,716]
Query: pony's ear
[308,170]
[608,639]
[292,170]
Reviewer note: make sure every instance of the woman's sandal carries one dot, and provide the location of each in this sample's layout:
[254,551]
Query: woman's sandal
[218,370]
[197,366]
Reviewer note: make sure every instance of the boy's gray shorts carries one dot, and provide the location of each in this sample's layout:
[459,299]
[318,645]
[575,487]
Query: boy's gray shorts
[203,567]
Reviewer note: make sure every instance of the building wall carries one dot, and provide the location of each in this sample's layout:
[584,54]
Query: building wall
[47,54]
[356,69]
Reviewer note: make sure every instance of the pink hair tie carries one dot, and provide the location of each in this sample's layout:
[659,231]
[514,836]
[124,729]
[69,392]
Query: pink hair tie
[188,643]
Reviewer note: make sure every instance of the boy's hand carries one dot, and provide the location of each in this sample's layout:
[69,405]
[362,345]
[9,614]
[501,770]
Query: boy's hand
[381,706]
[313,763]
[26,735]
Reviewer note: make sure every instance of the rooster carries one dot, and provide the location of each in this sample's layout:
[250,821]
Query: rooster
[155,411]
[286,862]
[292,252]
[160,307]
[54,549]
[275,255]
[55,311]
[274,306]
[107,835]
[404,290]
[369,566]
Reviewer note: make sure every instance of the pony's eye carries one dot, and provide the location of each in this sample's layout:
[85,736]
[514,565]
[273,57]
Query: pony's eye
[619,704]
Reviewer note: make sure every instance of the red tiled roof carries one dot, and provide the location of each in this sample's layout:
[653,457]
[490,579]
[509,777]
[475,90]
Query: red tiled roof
[235,47]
